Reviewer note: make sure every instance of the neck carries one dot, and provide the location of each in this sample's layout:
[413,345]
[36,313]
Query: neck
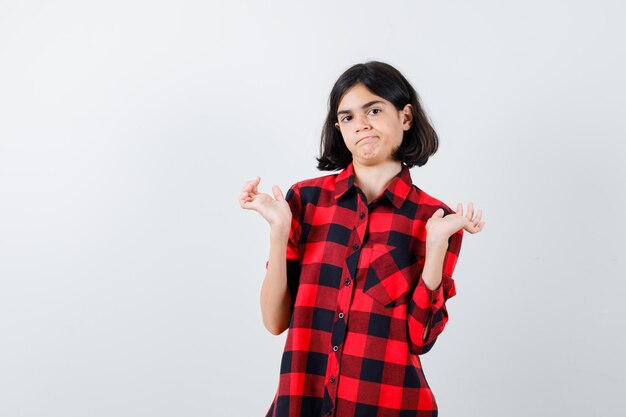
[372,179]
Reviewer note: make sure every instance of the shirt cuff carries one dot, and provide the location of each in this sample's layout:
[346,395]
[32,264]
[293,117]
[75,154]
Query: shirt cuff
[428,299]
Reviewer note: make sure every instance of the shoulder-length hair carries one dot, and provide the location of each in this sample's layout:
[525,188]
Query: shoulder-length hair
[418,143]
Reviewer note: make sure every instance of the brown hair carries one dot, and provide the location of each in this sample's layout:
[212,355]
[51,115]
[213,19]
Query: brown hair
[418,143]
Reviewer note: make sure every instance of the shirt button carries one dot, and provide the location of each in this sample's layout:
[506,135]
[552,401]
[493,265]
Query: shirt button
[355,246]
[347,282]
[362,215]
[328,413]
[434,301]
[340,315]
[332,379]
[335,348]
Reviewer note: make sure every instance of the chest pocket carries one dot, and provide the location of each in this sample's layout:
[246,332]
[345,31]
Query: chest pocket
[392,274]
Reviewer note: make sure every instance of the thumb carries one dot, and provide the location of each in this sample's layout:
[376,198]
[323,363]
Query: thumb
[438,213]
[278,194]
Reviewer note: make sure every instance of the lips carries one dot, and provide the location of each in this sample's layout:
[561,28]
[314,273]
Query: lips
[366,137]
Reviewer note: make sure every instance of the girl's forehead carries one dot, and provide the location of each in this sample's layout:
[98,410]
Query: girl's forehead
[358,95]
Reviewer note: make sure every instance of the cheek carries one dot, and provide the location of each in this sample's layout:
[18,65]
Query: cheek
[345,142]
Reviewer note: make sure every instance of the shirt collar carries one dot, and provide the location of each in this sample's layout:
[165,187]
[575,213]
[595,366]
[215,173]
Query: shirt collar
[396,191]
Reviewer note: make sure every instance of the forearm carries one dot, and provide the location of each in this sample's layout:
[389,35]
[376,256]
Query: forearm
[427,314]
[433,264]
[275,296]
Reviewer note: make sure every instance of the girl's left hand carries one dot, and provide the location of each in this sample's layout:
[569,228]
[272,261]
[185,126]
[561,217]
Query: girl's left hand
[439,228]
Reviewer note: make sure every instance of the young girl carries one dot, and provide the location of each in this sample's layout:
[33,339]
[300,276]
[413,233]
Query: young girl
[361,261]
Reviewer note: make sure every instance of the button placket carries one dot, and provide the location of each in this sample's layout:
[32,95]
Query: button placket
[345,297]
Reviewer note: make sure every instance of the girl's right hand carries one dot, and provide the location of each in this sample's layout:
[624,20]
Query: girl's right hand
[273,209]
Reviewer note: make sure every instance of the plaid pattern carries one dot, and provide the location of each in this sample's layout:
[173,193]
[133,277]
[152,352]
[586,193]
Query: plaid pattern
[361,314]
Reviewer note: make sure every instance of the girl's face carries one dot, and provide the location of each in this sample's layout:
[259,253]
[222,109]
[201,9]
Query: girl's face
[371,126]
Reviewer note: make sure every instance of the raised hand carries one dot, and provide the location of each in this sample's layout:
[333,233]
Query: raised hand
[439,228]
[273,209]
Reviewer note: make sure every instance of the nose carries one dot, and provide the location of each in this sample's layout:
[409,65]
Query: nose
[361,122]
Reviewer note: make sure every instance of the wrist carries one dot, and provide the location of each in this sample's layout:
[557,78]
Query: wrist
[280,230]
[436,245]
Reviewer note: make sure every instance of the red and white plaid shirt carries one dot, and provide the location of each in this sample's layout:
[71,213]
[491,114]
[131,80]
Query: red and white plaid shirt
[360,310]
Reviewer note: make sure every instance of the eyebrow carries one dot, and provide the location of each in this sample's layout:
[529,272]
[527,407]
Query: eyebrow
[369,103]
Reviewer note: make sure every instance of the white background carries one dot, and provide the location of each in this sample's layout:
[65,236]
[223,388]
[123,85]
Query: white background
[130,276]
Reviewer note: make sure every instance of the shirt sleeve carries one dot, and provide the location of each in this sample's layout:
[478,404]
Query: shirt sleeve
[427,314]
[293,248]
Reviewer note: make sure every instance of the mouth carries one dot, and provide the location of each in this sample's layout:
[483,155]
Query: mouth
[366,137]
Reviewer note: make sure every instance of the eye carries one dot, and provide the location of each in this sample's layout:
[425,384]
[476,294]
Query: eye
[377,111]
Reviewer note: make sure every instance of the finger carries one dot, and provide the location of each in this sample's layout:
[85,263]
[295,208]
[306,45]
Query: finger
[278,194]
[459,208]
[470,211]
[255,184]
[248,187]
[245,194]
[478,216]
[438,213]
[478,228]
[251,185]
[243,200]
[249,202]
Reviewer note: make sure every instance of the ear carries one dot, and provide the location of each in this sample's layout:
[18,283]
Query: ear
[337,126]
[407,117]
